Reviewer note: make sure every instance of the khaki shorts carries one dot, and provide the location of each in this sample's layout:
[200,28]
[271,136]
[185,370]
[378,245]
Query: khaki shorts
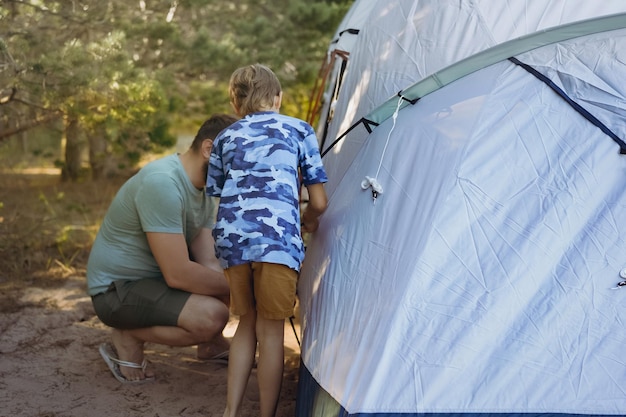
[270,288]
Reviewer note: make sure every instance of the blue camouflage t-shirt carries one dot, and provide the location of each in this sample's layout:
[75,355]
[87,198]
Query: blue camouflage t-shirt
[254,170]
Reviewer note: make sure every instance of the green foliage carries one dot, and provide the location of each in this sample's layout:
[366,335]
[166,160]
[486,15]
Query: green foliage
[130,72]
[160,134]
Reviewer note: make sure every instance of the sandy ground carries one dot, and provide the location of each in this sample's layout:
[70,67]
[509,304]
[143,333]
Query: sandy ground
[50,365]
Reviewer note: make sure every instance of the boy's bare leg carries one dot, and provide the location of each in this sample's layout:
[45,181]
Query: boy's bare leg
[240,361]
[271,336]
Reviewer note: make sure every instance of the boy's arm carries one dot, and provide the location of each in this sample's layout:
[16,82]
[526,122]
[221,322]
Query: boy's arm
[318,201]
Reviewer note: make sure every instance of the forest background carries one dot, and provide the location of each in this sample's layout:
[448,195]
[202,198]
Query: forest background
[112,80]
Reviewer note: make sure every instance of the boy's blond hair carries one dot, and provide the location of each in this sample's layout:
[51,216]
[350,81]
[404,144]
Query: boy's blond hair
[253,88]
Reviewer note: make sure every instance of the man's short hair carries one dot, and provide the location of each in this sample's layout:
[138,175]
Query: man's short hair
[211,128]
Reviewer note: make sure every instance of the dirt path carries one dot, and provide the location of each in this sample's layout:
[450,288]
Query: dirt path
[50,365]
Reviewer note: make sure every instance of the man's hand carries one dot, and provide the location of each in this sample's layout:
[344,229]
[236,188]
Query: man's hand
[202,250]
[172,255]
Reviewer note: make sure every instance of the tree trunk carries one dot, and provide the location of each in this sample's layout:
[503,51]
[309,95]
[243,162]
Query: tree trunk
[98,155]
[73,150]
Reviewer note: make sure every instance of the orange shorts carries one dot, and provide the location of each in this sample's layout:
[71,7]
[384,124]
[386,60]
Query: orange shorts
[268,287]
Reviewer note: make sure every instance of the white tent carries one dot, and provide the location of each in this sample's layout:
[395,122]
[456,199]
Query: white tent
[482,276]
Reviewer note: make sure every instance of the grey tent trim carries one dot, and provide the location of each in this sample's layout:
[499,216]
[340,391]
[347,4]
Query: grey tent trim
[484,59]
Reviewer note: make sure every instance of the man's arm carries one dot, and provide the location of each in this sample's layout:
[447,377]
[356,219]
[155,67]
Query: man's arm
[316,206]
[172,255]
[203,250]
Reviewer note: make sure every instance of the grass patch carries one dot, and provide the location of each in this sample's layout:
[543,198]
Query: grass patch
[47,226]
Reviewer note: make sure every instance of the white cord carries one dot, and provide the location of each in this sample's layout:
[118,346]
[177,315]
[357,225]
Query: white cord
[373,182]
[393,126]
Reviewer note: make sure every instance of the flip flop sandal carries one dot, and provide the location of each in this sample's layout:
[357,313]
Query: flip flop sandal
[107,351]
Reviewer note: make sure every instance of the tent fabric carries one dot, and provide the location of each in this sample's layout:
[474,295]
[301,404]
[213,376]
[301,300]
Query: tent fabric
[580,109]
[483,279]
[404,42]
[496,54]
[317,402]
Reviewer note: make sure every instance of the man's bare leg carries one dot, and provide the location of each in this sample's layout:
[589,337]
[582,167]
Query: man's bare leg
[201,320]
[130,349]
[215,347]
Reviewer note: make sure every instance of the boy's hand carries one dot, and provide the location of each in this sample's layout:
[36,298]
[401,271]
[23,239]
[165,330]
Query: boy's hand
[309,225]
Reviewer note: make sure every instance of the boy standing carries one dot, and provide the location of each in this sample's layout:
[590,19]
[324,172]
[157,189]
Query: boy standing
[254,168]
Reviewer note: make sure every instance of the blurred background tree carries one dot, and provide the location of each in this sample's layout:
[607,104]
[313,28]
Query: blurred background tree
[117,79]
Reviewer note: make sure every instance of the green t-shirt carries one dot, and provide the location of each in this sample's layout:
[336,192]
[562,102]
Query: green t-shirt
[159,198]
